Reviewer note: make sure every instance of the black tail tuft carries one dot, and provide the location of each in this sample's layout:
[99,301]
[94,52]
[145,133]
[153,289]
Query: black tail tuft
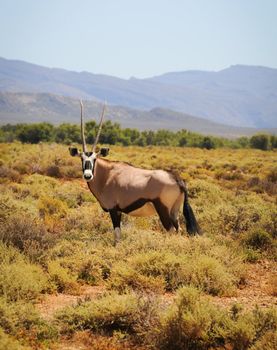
[191,223]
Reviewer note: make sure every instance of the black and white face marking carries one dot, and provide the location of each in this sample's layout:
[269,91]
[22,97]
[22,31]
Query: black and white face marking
[88,165]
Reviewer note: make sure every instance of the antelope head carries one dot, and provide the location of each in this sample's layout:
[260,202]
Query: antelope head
[88,158]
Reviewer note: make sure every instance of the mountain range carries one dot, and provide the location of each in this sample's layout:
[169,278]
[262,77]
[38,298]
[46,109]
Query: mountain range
[239,96]
[40,107]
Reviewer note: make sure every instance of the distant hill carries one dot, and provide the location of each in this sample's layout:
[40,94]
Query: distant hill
[29,108]
[238,96]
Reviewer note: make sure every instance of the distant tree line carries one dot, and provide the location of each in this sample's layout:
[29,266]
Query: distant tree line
[112,134]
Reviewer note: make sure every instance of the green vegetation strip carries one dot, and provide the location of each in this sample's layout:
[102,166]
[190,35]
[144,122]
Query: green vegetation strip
[112,134]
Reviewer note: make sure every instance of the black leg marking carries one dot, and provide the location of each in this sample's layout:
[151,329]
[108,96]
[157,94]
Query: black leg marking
[116,219]
[135,205]
[163,214]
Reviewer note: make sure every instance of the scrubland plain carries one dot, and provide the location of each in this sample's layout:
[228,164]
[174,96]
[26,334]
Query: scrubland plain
[64,286]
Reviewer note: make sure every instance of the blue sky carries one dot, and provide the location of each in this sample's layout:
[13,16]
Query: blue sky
[138,37]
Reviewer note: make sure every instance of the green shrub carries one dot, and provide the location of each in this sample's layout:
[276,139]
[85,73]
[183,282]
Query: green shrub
[62,278]
[50,207]
[268,184]
[9,343]
[264,321]
[27,234]
[124,278]
[252,255]
[91,270]
[89,220]
[22,281]
[80,260]
[268,341]
[112,312]
[21,318]
[258,239]
[171,268]
[211,276]
[74,195]
[9,174]
[261,141]
[35,133]
[53,171]
[19,279]
[207,143]
[194,323]
[158,270]
[229,175]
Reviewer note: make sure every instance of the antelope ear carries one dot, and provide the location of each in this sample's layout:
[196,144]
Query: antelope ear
[104,152]
[73,151]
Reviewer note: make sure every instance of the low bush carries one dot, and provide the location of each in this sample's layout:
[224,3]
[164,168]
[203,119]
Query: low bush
[20,319]
[19,279]
[112,312]
[74,195]
[40,185]
[53,170]
[252,255]
[155,271]
[229,175]
[89,220]
[125,278]
[209,275]
[191,323]
[194,323]
[9,343]
[268,341]
[91,269]
[268,184]
[27,234]
[22,281]
[79,259]
[258,239]
[63,280]
[50,207]
[9,174]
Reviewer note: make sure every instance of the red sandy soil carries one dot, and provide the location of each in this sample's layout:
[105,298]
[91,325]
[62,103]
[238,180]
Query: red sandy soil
[51,303]
[260,288]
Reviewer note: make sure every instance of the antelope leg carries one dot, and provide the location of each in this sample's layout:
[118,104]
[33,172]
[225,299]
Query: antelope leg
[117,235]
[116,219]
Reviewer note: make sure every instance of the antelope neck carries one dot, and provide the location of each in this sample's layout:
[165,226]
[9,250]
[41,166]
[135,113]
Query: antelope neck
[101,168]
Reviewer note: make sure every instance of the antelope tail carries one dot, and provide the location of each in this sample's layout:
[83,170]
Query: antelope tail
[191,222]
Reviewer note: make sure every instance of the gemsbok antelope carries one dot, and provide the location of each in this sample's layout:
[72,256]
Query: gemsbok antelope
[122,188]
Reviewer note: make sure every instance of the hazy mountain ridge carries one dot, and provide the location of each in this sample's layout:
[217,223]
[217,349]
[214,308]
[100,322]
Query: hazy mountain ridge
[238,96]
[39,107]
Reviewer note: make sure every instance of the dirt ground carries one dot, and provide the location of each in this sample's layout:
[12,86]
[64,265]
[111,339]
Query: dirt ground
[260,287]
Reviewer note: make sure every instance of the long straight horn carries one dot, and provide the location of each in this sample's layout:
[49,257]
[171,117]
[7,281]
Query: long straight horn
[83,129]
[99,129]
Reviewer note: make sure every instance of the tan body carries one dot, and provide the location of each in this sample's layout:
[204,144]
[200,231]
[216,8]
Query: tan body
[120,185]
